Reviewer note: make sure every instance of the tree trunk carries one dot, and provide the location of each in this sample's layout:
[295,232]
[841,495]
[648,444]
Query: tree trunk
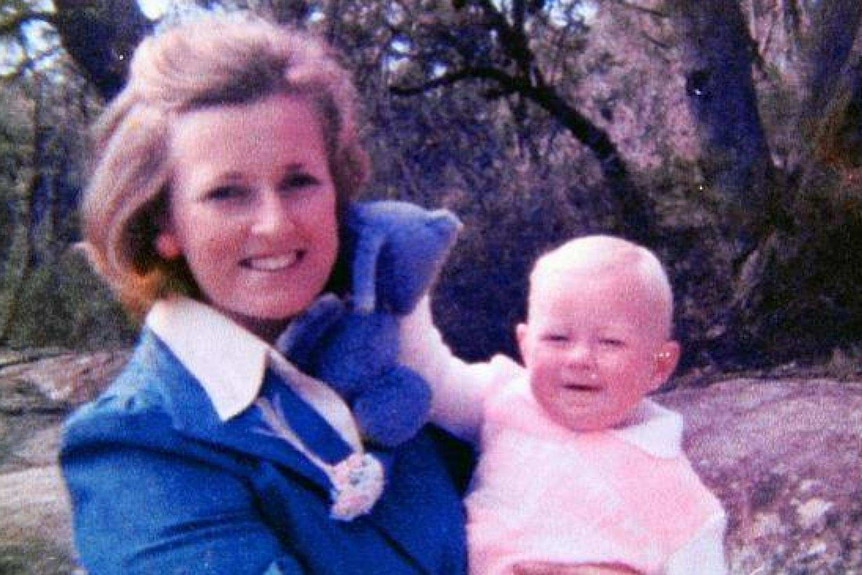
[735,160]
[22,253]
[833,62]
[101,35]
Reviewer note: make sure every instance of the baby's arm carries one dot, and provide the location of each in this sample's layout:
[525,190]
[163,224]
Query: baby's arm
[458,387]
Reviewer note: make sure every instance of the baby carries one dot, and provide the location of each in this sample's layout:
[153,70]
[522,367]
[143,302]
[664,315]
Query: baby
[577,467]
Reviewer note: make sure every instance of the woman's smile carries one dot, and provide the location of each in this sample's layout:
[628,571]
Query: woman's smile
[272,263]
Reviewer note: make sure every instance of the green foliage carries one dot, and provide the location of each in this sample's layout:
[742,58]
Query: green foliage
[521,212]
[31,556]
[15,149]
[64,304]
[512,168]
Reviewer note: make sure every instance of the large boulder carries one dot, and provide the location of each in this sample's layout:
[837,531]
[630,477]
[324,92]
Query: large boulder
[61,380]
[37,391]
[785,458]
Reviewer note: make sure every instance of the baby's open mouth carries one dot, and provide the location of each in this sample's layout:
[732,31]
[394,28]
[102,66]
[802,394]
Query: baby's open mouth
[582,387]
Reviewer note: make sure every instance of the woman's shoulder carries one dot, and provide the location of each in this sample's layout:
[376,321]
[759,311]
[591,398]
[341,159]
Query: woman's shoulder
[137,393]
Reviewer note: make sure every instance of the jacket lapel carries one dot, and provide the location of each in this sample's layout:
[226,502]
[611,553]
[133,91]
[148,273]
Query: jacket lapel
[193,415]
[419,481]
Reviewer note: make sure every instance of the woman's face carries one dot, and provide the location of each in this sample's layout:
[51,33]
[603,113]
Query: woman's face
[252,208]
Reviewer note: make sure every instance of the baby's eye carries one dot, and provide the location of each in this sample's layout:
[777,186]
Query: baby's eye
[555,337]
[612,342]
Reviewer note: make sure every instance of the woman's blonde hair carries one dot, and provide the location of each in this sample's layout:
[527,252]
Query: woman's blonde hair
[215,60]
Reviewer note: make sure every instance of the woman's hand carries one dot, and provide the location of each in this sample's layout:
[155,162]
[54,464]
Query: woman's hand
[545,568]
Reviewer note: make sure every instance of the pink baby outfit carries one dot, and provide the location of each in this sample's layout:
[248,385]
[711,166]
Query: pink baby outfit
[545,493]
[542,492]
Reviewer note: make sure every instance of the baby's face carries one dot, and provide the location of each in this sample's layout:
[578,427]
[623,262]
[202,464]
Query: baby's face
[594,345]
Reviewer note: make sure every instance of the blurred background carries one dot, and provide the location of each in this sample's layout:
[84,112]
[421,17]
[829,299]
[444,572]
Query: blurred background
[726,135]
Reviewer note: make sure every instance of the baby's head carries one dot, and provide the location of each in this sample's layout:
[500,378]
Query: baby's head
[598,333]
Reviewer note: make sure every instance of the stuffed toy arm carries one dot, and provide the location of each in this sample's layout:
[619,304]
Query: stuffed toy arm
[299,342]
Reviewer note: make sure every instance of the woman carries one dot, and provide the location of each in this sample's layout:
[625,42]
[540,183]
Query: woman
[220,175]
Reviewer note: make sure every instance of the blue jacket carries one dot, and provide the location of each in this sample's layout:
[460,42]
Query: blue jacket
[160,485]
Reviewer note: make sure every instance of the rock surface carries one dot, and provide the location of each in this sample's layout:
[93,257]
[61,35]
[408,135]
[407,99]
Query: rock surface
[785,458]
[36,394]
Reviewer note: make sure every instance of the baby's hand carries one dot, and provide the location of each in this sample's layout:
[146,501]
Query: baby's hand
[544,568]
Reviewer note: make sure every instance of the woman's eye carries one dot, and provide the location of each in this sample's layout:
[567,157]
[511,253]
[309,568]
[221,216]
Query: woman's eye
[612,342]
[222,193]
[299,180]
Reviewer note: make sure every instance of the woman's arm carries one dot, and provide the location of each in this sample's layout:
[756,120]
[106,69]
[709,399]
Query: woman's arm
[139,510]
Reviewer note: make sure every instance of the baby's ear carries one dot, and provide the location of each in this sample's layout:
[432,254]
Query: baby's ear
[521,331]
[665,363]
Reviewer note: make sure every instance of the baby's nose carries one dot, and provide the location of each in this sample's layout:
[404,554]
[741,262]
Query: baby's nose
[580,353]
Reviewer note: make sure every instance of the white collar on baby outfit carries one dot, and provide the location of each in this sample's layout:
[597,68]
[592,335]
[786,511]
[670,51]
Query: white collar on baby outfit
[651,427]
[230,362]
[654,429]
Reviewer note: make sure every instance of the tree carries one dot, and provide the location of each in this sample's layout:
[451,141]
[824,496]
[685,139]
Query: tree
[725,134]
[493,43]
[48,107]
[718,55]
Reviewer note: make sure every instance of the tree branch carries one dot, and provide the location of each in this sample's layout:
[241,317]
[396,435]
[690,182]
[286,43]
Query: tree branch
[100,35]
[643,9]
[513,40]
[13,24]
[506,81]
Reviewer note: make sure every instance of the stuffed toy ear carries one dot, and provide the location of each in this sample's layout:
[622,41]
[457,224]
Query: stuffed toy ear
[368,245]
[399,249]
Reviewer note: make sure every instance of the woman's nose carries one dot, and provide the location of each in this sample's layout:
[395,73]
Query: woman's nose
[271,214]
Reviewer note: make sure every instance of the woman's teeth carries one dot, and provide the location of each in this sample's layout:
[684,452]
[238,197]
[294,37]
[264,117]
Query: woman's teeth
[271,264]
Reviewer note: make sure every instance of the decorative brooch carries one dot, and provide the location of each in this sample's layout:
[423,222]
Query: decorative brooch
[357,480]
[357,484]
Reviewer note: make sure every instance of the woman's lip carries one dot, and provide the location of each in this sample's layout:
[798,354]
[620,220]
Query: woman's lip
[272,263]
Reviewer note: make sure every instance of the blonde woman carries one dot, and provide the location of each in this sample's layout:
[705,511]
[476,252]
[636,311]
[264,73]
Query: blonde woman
[219,177]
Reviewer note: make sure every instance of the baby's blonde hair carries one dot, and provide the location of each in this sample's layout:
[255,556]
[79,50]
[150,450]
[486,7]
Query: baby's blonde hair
[600,253]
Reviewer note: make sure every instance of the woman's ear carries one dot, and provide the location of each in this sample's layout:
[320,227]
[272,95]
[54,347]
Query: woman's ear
[665,363]
[168,246]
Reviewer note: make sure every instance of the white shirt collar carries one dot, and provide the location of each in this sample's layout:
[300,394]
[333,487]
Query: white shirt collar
[230,362]
[197,334]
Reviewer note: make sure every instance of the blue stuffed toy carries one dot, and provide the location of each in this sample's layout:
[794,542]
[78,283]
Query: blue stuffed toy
[397,250]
